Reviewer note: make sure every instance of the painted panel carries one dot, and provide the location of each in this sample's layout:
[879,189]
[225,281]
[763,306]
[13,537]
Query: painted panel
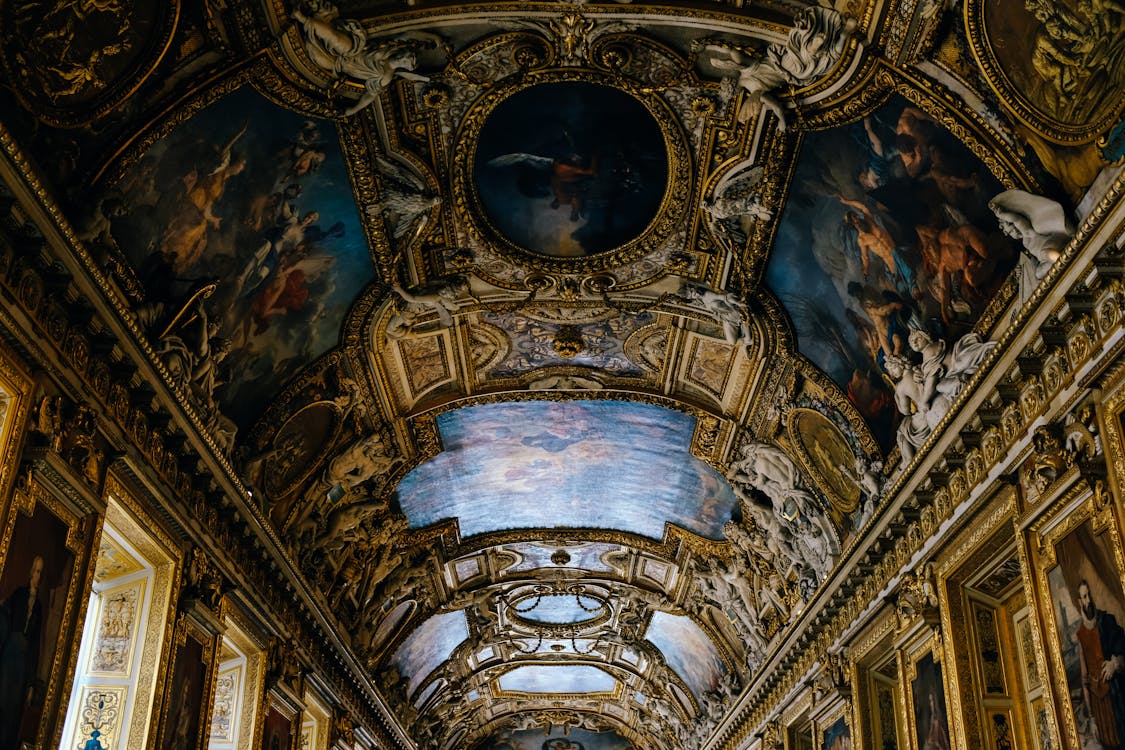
[571,678]
[113,561]
[258,198]
[429,645]
[1056,60]
[117,629]
[604,464]
[1089,603]
[556,739]
[930,722]
[886,227]
[558,609]
[838,736]
[690,653]
[570,169]
[224,716]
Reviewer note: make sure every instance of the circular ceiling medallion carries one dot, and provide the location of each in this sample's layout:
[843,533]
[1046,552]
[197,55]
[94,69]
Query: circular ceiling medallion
[573,173]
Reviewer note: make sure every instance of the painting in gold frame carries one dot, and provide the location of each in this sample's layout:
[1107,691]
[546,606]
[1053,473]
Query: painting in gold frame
[189,693]
[1079,579]
[837,734]
[45,553]
[825,452]
[927,693]
[15,403]
[277,733]
[1051,62]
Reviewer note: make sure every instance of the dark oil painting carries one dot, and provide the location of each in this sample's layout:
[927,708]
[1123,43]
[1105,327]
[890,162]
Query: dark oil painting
[886,229]
[243,230]
[570,169]
[36,578]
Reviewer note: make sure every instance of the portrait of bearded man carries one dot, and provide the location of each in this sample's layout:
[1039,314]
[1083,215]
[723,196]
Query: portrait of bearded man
[1101,641]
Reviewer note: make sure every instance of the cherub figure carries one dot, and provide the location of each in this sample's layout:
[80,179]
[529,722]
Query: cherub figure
[341,46]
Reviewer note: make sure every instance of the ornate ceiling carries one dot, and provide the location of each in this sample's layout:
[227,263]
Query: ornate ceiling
[557,342]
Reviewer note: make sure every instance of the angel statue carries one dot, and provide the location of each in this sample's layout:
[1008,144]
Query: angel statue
[443,298]
[734,202]
[1043,227]
[405,197]
[727,307]
[341,45]
[813,46]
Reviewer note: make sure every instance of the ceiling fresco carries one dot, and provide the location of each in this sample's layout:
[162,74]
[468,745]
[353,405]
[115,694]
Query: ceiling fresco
[567,348]
[886,229]
[556,739]
[430,645]
[608,465]
[570,169]
[691,654]
[244,235]
[557,679]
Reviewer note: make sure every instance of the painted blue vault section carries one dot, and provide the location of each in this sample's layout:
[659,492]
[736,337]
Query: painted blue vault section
[689,651]
[577,464]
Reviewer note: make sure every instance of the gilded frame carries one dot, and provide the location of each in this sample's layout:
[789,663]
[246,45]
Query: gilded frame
[128,514]
[14,381]
[1017,102]
[673,209]
[271,702]
[82,532]
[1078,507]
[931,646]
[248,635]
[843,712]
[985,541]
[188,629]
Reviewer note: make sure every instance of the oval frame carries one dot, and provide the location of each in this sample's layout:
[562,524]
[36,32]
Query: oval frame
[669,214]
[1018,103]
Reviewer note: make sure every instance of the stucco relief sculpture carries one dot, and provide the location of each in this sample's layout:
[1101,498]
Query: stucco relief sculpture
[815,44]
[1043,227]
[735,203]
[342,46]
[727,307]
[925,392]
[917,596]
[443,298]
[405,198]
[798,535]
[193,352]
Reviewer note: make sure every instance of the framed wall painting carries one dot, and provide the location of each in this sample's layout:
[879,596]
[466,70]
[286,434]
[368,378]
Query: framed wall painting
[44,556]
[1049,63]
[836,733]
[277,729]
[928,712]
[1082,608]
[188,694]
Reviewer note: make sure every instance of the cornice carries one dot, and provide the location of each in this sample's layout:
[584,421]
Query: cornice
[1053,347]
[210,502]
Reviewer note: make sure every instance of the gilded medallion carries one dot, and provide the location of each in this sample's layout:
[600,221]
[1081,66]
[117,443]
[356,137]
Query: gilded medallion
[1054,64]
[570,169]
[827,455]
[72,62]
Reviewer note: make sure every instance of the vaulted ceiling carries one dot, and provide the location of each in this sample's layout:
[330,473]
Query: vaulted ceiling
[551,338]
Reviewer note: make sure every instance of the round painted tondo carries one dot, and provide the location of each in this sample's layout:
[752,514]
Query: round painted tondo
[569,169]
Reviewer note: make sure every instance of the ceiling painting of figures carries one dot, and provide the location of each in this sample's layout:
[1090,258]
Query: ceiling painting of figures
[243,230]
[886,229]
